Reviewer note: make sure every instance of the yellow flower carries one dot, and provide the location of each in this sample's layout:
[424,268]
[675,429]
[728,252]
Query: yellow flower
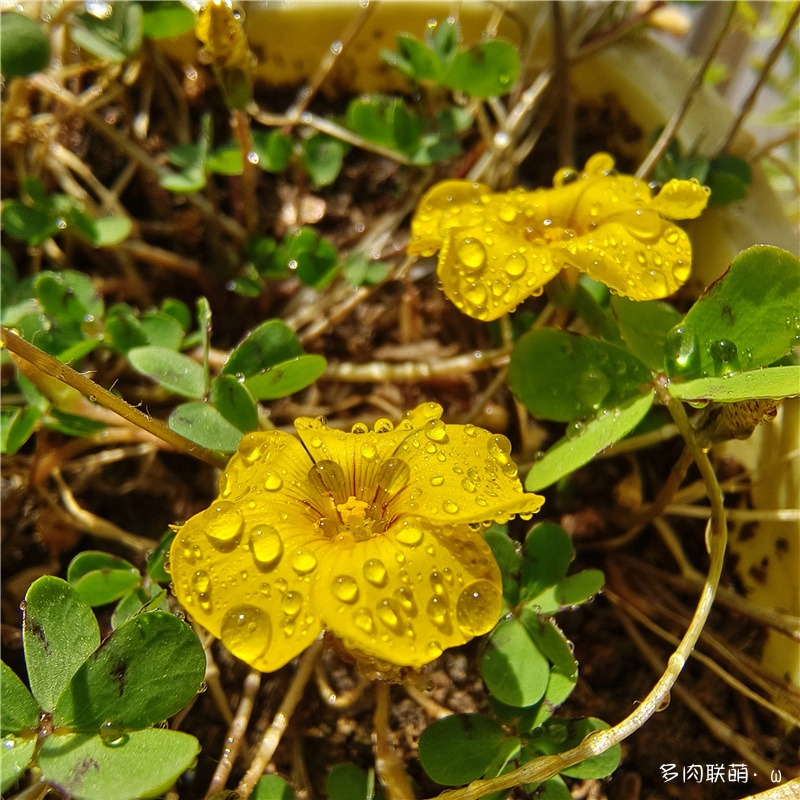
[372,535]
[496,249]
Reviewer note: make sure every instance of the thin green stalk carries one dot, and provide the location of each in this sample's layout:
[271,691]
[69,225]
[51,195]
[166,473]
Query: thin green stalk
[542,769]
[97,394]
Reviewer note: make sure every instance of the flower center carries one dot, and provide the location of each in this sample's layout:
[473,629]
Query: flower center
[353,510]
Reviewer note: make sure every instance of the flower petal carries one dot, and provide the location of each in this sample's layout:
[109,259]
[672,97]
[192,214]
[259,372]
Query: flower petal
[642,267]
[488,276]
[681,199]
[458,474]
[242,567]
[406,596]
[450,204]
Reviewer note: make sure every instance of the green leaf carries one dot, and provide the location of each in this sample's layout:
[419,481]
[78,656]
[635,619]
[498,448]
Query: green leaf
[514,670]
[203,424]
[508,559]
[272,787]
[131,766]
[551,641]
[145,672]
[585,442]
[349,782]
[24,46]
[232,399]
[111,230]
[644,327]
[101,578]
[459,749]
[177,310]
[174,371]
[268,345]
[563,734]
[771,383]
[114,37]
[162,329]
[191,179]
[16,753]
[322,159]
[287,377]
[489,69]
[548,552]
[59,632]
[123,331]
[156,560]
[225,160]
[747,319]
[72,424]
[16,427]
[18,709]
[573,590]
[68,294]
[274,150]
[139,601]
[30,225]
[166,20]
[729,179]
[561,376]
[415,60]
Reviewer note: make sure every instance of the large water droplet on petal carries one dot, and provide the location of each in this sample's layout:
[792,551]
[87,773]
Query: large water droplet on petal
[266,546]
[438,612]
[409,534]
[303,562]
[250,448]
[246,631]
[436,430]
[272,482]
[387,614]
[405,598]
[363,620]
[393,474]
[223,525]
[471,254]
[375,572]
[327,477]
[292,603]
[345,588]
[515,266]
[201,581]
[478,607]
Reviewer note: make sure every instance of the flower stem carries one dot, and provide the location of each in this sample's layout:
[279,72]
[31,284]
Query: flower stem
[97,394]
[272,736]
[541,769]
[388,764]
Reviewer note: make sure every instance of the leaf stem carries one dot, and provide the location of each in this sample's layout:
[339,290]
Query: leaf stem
[388,763]
[97,394]
[598,742]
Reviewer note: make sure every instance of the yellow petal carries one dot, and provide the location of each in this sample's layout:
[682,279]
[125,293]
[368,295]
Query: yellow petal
[242,567]
[406,596]
[647,266]
[450,204]
[222,35]
[460,474]
[681,199]
[488,275]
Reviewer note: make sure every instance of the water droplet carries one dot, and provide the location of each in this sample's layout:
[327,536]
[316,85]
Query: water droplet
[359,427]
[438,612]
[292,603]
[575,429]
[664,703]
[506,212]
[499,448]
[725,355]
[201,581]
[405,598]
[383,425]
[671,235]
[476,294]
[375,572]
[436,430]
[393,474]
[410,534]
[681,350]
[327,477]
[112,735]
[272,482]
[266,546]
[316,442]
[368,451]
[437,480]
[434,650]
[303,562]
[593,387]
[515,266]
[472,254]
[450,507]
[345,588]
[250,448]
[478,607]
[363,620]
[246,631]
[223,525]
[564,176]
[468,485]
[644,223]
[387,614]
